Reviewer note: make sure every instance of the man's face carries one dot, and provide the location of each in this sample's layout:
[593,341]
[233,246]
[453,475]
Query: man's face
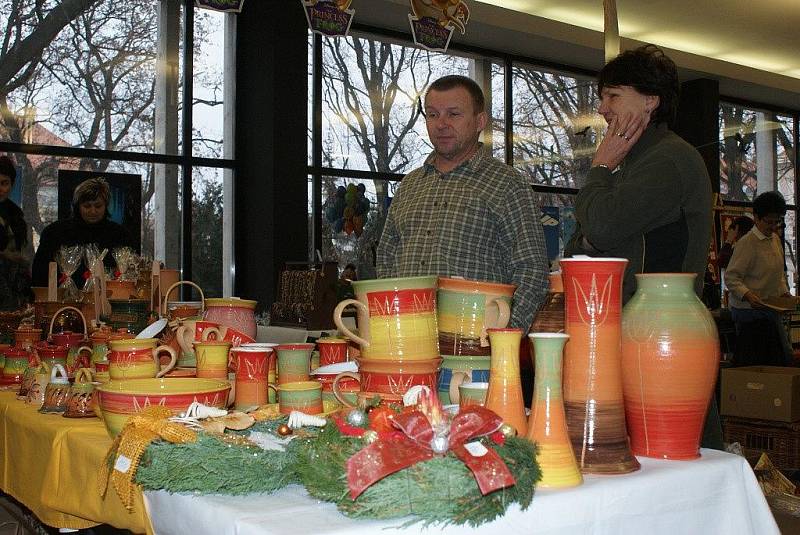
[769,224]
[623,100]
[453,126]
[5,187]
[92,211]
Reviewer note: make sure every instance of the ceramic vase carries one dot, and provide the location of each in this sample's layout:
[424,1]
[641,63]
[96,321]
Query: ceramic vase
[593,398]
[670,356]
[550,317]
[547,426]
[504,396]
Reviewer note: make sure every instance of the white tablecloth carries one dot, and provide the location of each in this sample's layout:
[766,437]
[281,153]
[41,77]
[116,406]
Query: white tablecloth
[717,494]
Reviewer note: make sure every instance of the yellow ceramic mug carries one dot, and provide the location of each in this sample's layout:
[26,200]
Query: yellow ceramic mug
[396,318]
[212,359]
[137,358]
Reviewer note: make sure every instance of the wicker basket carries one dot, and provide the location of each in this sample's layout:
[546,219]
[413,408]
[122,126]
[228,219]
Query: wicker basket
[779,440]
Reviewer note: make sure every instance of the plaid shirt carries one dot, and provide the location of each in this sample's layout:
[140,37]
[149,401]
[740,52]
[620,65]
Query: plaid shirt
[480,221]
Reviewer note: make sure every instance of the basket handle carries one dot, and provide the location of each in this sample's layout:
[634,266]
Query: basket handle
[175,285]
[59,311]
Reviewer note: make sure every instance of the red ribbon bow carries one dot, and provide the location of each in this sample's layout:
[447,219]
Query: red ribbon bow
[386,456]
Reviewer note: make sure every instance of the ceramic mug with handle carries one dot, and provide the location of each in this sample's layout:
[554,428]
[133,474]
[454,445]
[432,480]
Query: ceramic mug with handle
[137,358]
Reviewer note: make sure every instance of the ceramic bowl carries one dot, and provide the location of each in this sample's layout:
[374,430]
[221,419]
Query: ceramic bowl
[117,400]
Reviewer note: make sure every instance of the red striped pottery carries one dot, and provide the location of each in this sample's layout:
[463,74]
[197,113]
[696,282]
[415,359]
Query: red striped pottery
[17,361]
[212,359]
[252,369]
[670,356]
[51,354]
[332,350]
[117,400]
[233,312]
[387,379]
[236,337]
[303,396]
[592,365]
[396,318]
[137,358]
[294,362]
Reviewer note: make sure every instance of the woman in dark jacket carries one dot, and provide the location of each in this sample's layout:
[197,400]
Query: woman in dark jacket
[15,287]
[90,223]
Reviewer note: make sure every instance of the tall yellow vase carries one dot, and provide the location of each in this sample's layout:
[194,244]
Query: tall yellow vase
[504,396]
[547,425]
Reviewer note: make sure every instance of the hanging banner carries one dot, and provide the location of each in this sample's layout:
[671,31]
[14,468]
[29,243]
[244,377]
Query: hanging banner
[329,17]
[229,6]
[433,22]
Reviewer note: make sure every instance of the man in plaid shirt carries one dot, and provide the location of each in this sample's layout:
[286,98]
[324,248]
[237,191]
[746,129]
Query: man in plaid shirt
[465,213]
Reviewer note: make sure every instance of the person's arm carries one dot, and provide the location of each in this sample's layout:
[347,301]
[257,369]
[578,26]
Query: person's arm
[741,261]
[611,211]
[388,243]
[523,245]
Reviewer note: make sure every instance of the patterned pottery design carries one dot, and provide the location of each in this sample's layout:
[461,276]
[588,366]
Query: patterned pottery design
[191,330]
[79,402]
[51,354]
[670,355]
[472,394]
[212,359]
[233,312]
[57,391]
[505,386]
[332,350]
[117,400]
[592,365]
[396,318]
[137,359]
[387,379]
[252,368]
[294,362]
[457,370]
[303,396]
[547,425]
[466,309]
[15,366]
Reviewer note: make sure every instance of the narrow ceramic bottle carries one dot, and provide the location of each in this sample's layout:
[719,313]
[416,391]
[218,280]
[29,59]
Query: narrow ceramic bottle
[547,426]
[504,396]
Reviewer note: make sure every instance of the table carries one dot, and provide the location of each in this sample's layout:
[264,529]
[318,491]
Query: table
[717,494]
[50,464]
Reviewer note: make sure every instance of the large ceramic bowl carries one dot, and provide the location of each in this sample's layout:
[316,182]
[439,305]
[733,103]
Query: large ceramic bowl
[118,400]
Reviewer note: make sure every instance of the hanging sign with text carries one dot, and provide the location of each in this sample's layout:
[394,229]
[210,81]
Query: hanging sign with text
[433,22]
[229,6]
[329,17]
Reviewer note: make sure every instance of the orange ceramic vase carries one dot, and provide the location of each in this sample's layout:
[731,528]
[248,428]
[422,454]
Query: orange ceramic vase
[547,425]
[592,365]
[504,396]
[670,356]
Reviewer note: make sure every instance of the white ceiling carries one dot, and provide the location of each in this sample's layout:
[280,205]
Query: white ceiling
[761,34]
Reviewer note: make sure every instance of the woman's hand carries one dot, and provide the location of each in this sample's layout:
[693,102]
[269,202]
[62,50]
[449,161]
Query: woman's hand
[621,135]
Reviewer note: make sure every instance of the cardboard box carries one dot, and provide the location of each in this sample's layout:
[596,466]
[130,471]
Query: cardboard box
[765,392]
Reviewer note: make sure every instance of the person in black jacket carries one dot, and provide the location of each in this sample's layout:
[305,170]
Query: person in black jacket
[14,265]
[90,223]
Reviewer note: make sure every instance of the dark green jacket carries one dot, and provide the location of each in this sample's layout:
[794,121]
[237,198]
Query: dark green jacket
[655,210]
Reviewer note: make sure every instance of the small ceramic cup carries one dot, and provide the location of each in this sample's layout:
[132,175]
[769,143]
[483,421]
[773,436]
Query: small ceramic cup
[79,402]
[332,350]
[294,361]
[303,396]
[212,359]
[137,358]
[471,394]
[57,391]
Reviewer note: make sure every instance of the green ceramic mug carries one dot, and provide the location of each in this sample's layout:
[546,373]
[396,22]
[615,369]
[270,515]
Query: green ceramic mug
[303,396]
[472,394]
[294,361]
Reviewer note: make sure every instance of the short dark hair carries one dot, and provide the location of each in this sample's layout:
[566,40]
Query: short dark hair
[650,72]
[7,168]
[769,202]
[451,81]
[91,190]
[743,224]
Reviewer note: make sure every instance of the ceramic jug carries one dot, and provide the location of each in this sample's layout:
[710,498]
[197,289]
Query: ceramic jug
[57,391]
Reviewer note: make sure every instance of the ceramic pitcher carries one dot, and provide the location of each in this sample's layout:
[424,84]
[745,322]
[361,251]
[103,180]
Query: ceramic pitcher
[396,318]
[137,358]
[465,309]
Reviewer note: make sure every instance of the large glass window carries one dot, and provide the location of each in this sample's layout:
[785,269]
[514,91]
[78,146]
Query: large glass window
[110,78]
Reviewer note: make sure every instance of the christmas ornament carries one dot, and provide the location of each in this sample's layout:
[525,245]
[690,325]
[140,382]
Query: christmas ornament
[440,445]
[284,430]
[370,436]
[508,430]
[356,417]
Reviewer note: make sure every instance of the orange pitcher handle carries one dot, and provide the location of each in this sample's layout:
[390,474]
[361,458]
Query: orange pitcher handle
[499,322]
[337,319]
[184,332]
[172,362]
[175,285]
[336,392]
[59,311]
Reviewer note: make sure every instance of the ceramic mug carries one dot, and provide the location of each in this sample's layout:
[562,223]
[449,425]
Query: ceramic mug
[387,379]
[471,394]
[193,330]
[456,370]
[137,358]
[212,359]
[294,361]
[303,396]
[272,372]
[332,350]
[396,318]
[252,368]
[16,362]
[235,337]
[79,402]
[41,379]
[348,388]
[465,309]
